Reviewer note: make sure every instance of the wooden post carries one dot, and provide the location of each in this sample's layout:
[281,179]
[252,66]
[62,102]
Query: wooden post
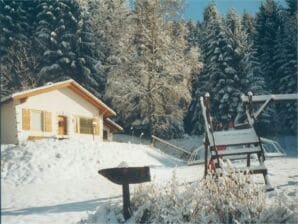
[126,201]
[248,160]
[206,157]
[125,176]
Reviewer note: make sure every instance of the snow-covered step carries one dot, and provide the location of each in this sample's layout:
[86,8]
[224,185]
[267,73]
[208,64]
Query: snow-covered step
[261,169]
[236,151]
[235,137]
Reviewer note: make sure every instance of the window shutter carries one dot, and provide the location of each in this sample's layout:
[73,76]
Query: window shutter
[26,119]
[77,124]
[96,128]
[48,121]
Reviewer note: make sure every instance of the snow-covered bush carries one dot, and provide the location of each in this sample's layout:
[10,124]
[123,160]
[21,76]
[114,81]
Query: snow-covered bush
[233,198]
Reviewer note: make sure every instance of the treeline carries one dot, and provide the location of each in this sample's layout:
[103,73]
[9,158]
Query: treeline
[149,64]
[247,53]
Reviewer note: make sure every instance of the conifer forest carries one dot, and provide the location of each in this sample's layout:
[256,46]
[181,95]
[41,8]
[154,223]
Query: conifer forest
[151,65]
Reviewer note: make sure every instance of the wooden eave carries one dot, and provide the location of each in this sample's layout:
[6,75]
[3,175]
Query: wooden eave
[75,87]
[113,126]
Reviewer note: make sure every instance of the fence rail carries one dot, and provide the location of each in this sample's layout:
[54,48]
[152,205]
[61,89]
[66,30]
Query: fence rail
[167,147]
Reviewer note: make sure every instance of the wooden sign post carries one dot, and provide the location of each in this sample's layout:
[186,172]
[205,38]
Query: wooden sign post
[125,176]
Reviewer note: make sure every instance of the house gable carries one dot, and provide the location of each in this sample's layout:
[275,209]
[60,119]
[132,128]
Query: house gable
[72,85]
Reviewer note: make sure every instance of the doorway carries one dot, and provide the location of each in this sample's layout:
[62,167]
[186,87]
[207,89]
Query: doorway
[105,135]
[62,125]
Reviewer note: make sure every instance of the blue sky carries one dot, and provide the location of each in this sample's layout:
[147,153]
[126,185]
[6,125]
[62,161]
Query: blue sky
[194,8]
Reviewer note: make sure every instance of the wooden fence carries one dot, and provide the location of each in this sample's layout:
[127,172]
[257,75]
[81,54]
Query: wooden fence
[170,149]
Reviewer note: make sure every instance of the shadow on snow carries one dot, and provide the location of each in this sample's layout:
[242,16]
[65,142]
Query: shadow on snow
[88,205]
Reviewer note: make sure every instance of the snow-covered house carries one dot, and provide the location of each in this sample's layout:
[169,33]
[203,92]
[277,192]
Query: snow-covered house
[61,110]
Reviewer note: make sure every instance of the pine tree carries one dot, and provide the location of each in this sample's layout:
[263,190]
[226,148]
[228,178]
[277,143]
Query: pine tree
[248,23]
[16,22]
[268,23]
[18,54]
[285,58]
[218,75]
[88,73]
[66,43]
[193,122]
[193,38]
[230,69]
[248,70]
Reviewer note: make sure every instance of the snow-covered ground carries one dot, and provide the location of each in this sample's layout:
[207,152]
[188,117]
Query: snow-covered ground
[55,181]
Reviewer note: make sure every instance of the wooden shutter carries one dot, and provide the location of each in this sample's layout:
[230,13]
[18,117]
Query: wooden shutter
[77,126]
[47,121]
[96,128]
[26,119]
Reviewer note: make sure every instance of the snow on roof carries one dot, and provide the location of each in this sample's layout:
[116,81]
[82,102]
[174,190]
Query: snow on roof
[71,84]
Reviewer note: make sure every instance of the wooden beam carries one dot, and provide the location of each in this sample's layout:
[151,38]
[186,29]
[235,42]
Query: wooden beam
[275,97]
[113,126]
[167,143]
[40,90]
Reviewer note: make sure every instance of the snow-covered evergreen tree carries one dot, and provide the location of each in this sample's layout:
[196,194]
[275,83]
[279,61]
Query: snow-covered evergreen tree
[218,75]
[248,23]
[150,88]
[193,37]
[66,43]
[285,58]
[230,68]
[88,73]
[193,121]
[16,22]
[18,54]
[268,24]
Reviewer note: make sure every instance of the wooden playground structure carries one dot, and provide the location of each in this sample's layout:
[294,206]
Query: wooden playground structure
[242,141]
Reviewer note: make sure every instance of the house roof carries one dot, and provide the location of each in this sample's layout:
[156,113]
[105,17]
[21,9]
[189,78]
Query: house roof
[71,84]
[114,127]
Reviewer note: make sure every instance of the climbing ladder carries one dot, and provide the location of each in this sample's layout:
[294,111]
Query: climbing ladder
[243,143]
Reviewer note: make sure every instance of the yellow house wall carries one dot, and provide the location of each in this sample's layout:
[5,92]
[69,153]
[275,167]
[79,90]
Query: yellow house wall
[59,102]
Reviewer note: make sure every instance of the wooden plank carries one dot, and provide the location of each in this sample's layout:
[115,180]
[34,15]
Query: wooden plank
[33,138]
[26,119]
[235,137]
[261,169]
[207,125]
[113,126]
[276,97]
[96,128]
[241,151]
[40,90]
[48,121]
[167,143]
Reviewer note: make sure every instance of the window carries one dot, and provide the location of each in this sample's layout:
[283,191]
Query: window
[36,120]
[86,126]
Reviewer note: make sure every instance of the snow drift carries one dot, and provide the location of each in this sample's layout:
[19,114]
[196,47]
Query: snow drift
[56,181]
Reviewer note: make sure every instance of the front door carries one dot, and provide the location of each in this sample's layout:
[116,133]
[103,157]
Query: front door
[62,125]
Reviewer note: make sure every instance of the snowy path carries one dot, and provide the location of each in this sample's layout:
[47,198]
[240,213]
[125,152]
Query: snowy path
[64,188]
